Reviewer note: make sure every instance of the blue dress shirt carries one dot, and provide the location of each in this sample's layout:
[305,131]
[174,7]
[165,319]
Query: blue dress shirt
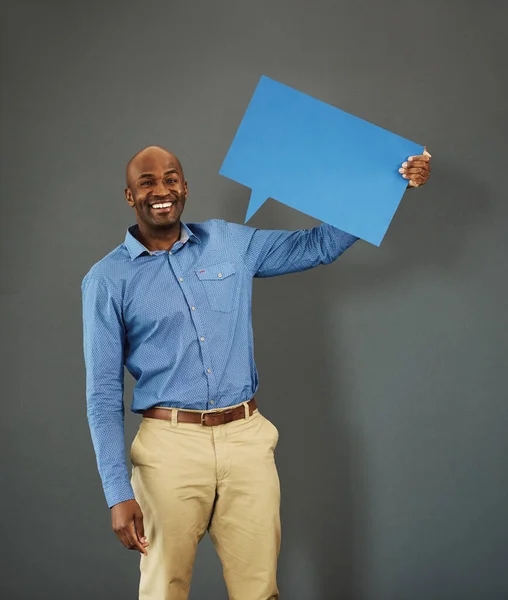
[180,321]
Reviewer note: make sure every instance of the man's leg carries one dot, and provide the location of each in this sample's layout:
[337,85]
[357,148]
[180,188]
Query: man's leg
[173,477]
[245,525]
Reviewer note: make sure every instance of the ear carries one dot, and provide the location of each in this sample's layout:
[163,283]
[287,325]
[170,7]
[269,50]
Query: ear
[128,197]
[186,189]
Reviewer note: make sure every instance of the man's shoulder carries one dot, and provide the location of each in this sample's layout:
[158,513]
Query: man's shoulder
[109,267]
[214,226]
[206,226]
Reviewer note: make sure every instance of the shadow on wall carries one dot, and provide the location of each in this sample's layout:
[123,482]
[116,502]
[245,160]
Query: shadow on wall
[325,551]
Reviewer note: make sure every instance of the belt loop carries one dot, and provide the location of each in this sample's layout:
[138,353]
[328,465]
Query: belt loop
[174,417]
[246,408]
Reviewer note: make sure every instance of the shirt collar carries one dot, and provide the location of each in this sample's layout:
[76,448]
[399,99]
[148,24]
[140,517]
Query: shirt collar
[136,248]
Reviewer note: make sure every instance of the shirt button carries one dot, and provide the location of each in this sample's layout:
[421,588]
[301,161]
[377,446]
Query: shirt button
[170,253]
[181,279]
[209,370]
[212,401]
[202,339]
[193,308]
[219,275]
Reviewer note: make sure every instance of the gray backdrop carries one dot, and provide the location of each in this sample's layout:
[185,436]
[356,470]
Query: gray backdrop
[399,490]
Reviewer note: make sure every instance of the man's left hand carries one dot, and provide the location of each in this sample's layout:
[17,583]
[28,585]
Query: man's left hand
[416,169]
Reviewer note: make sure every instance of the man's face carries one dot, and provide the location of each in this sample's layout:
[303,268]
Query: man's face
[157,190]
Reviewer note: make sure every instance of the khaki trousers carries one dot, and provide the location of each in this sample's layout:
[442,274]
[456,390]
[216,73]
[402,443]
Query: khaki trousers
[188,479]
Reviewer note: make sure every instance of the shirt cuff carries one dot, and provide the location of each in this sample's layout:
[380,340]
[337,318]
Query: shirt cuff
[119,493]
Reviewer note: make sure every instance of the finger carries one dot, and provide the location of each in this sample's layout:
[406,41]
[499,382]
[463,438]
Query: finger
[133,539]
[414,171]
[120,534]
[417,167]
[140,530]
[419,158]
[419,176]
[412,184]
[426,156]
[422,164]
[418,180]
[123,538]
[417,171]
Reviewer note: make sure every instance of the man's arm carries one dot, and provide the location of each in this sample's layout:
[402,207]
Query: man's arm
[270,253]
[276,252]
[103,345]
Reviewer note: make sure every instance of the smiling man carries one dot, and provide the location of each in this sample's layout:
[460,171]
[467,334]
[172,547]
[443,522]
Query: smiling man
[173,304]
[157,191]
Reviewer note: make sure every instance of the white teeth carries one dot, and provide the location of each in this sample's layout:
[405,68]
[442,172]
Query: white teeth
[165,205]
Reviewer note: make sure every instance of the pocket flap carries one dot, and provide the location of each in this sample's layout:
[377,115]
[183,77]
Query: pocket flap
[217,272]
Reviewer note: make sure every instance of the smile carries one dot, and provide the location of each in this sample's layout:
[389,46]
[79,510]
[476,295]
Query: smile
[162,206]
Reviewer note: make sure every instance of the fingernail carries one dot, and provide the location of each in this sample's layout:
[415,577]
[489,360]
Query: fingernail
[411,158]
[401,170]
[404,164]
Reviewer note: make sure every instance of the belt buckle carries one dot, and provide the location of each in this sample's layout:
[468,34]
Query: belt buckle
[210,412]
[224,414]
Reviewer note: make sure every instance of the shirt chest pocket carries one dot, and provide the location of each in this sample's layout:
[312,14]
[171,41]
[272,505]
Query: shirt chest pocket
[220,283]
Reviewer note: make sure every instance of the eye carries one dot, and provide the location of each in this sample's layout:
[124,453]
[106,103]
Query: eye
[170,180]
[145,183]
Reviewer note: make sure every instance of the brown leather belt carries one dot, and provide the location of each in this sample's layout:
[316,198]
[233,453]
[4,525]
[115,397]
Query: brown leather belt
[208,418]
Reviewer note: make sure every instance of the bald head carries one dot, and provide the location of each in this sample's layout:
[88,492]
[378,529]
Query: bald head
[146,160]
[156,190]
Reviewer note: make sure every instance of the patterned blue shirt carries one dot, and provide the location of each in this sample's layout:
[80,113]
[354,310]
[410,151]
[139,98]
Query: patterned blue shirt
[180,321]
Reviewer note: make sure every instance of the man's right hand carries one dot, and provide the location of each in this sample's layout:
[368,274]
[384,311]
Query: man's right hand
[127,523]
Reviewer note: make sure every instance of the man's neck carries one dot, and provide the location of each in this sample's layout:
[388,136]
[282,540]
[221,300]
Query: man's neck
[161,239]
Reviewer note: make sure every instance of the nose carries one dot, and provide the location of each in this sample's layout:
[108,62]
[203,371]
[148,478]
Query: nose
[160,189]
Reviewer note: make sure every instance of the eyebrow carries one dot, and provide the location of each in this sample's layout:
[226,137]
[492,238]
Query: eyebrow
[151,174]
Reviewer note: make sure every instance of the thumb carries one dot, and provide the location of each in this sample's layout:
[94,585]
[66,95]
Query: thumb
[138,522]
[426,152]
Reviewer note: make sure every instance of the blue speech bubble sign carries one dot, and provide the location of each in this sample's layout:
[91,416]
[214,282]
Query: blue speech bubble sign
[319,160]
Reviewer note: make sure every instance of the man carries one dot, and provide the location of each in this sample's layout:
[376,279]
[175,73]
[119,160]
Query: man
[173,304]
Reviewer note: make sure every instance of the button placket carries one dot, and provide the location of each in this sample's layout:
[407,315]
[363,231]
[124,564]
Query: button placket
[185,286]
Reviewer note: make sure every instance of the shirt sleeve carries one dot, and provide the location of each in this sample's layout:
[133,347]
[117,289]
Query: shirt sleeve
[277,252]
[103,345]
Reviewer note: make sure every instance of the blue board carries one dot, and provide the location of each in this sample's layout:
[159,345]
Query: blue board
[319,160]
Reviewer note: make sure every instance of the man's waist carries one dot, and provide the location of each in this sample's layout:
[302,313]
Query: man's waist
[209,417]
[145,397]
